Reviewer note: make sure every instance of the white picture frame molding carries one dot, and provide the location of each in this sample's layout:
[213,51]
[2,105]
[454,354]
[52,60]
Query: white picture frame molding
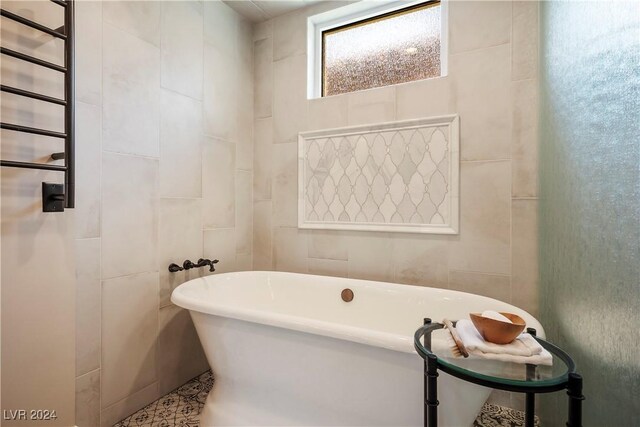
[451,224]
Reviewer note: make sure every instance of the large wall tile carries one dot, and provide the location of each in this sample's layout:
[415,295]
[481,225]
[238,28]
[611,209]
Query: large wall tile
[38,297]
[223,71]
[289,98]
[425,98]
[262,30]
[524,46]
[478,24]
[244,144]
[489,285]
[180,353]
[262,236]
[131,110]
[290,250]
[181,142]
[481,81]
[88,45]
[284,190]
[372,106]
[524,235]
[263,77]
[263,158]
[218,184]
[245,49]
[244,211]
[182,44]
[485,218]
[421,260]
[524,144]
[129,335]
[244,262]
[180,238]
[245,54]
[220,244]
[328,244]
[140,18]
[221,81]
[129,216]
[88,399]
[244,118]
[328,112]
[289,35]
[369,256]
[220,26]
[87,305]
[328,267]
[88,151]
[125,407]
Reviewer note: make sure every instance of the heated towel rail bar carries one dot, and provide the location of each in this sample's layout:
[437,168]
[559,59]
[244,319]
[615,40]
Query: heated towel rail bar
[54,197]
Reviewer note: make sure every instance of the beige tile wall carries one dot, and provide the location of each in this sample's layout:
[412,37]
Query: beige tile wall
[165,166]
[492,85]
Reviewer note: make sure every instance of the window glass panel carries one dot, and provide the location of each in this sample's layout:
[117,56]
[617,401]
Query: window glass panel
[390,49]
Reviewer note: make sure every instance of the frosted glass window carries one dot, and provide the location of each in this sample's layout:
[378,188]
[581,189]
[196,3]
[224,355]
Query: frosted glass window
[393,48]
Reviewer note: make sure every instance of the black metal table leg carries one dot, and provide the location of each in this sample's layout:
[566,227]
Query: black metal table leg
[530,398]
[432,392]
[427,344]
[574,390]
[530,410]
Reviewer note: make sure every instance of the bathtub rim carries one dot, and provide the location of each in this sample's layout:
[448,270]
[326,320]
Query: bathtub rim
[387,340]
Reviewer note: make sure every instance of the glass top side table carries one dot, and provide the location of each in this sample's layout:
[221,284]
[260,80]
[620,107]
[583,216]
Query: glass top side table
[515,377]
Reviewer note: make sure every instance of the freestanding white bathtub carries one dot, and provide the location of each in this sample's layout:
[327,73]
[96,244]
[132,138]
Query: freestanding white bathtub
[286,350]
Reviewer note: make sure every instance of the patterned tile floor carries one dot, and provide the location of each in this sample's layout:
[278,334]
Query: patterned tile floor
[181,408]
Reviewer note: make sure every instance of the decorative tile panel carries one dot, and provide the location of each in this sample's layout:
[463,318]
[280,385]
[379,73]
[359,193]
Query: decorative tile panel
[398,176]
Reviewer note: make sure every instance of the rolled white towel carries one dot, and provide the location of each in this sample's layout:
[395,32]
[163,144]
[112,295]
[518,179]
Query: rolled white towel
[523,345]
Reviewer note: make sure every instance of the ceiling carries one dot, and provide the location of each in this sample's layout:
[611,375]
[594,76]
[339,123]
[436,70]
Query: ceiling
[263,10]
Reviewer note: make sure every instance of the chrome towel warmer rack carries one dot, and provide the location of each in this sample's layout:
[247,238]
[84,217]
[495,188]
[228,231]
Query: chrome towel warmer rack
[55,197]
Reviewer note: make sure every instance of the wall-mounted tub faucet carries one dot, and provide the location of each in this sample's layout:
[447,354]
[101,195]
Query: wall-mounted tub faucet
[188,265]
[202,262]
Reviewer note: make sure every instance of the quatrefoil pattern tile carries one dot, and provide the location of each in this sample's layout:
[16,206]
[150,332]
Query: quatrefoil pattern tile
[391,177]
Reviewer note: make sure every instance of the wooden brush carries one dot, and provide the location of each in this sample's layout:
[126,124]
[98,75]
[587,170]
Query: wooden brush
[460,349]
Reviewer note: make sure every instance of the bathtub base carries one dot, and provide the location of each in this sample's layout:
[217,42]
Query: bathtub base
[267,376]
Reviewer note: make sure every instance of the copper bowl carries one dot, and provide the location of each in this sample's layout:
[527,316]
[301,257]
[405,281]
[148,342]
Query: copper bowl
[496,331]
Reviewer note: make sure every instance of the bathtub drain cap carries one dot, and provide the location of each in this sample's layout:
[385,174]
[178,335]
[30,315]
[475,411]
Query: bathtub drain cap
[347,295]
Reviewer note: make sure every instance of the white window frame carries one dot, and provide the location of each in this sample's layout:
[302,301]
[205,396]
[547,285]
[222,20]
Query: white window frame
[355,12]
